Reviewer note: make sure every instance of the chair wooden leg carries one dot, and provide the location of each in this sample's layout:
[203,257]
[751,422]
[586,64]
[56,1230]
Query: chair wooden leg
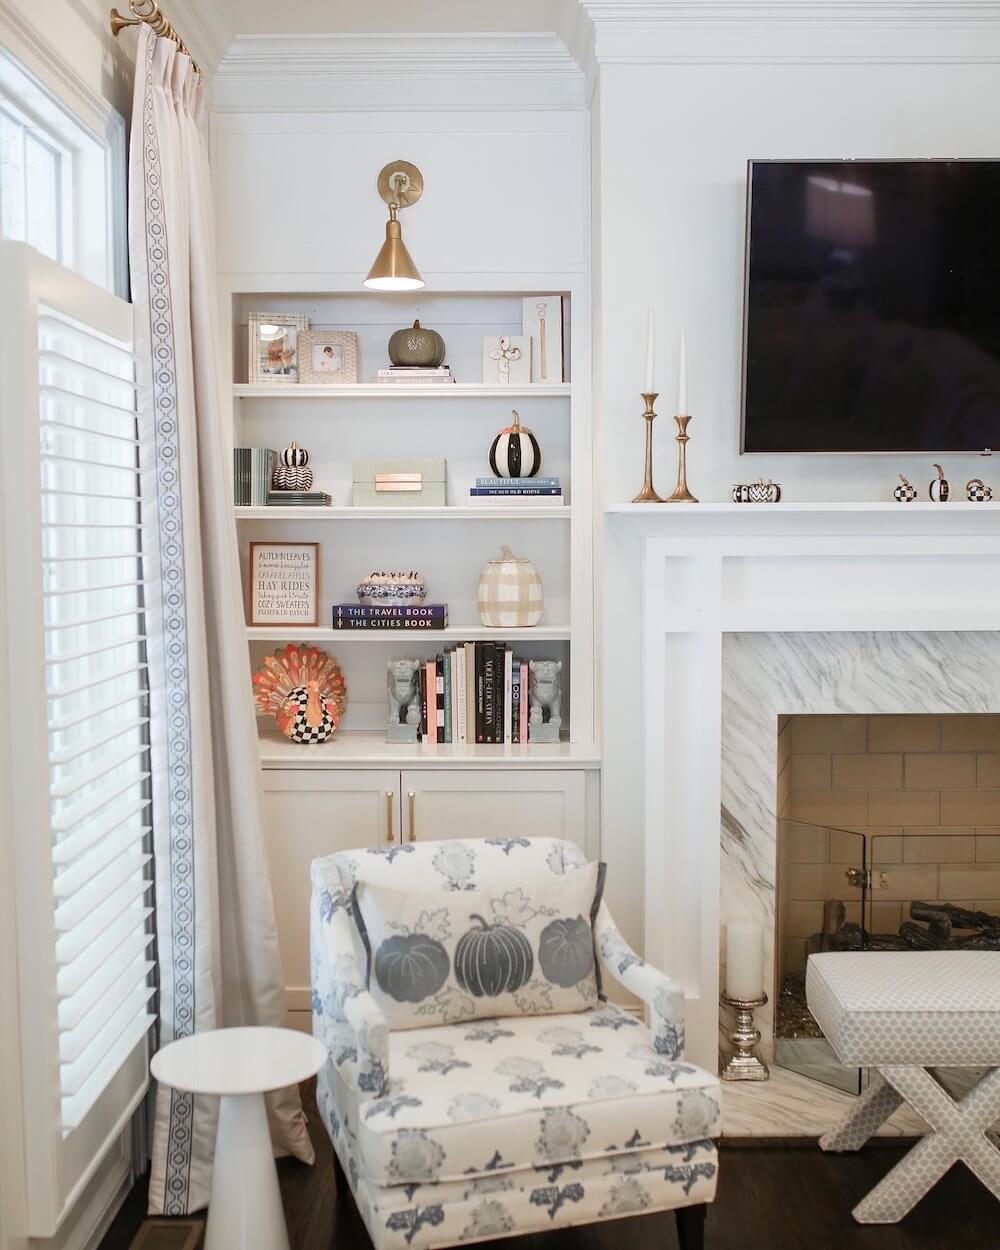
[340,1184]
[691,1226]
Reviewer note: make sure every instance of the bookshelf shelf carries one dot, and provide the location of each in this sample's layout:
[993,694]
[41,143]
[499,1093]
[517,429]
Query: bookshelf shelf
[370,750]
[396,637]
[504,512]
[375,390]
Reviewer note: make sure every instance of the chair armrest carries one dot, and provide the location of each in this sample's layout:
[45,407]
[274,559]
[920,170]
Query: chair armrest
[663,997]
[345,1016]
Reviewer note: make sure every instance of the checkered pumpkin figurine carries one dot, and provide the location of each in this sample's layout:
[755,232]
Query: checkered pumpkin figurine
[292,471]
[978,491]
[905,492]
[303,689]
[510,593]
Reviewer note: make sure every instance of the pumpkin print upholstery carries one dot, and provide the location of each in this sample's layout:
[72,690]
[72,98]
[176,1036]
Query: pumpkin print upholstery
[566,951]
[411,967]
[493,959]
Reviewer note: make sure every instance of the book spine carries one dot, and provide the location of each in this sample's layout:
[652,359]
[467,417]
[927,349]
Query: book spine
[459,676]
[389,622]
[480,691]
[430,678]
[515,701]
[439,697]
[423,702]
[366,612]
[489,691]
[524,702]
[517,492]
[508,695]
[449,694]
[470,692]
[516,483]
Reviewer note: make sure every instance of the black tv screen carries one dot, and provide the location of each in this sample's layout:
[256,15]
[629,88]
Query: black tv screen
[872,309]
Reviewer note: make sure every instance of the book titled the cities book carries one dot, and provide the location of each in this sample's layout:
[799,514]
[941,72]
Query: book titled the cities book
[425,616]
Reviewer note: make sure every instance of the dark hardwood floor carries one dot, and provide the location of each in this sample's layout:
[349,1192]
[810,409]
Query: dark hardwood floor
[777,1197]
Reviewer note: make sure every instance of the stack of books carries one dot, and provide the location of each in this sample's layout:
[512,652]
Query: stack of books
[514,490]
[252,469]
[477,692]
[422,616]
[412,375]
[299,499]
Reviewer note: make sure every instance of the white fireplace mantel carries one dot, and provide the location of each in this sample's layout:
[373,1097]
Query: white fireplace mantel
[821,572]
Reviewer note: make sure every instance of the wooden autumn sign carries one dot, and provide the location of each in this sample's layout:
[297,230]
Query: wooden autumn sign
[284,584]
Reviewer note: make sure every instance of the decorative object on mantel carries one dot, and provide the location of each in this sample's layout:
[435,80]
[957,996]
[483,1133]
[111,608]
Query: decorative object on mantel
[978,491]
[292,471]
[510,593]
[940,488]
[416,347]
[506,360]
[760,491]
[403,690]
[400,184]
[273,348]
[541,321]
[392,590]
[515,451]
[400,483]
[544,700]
[648,493]
[745,1064]
[328,357]
[303,689]
[681,493]
[905,492]
[283,584]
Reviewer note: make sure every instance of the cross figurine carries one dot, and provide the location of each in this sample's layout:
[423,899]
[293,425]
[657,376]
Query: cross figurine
[503,354]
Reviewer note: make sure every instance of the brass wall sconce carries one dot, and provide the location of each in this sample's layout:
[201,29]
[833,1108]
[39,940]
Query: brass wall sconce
[400,184]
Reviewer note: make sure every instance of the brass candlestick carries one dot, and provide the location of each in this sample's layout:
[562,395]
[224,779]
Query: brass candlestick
[648,494]
[681,493]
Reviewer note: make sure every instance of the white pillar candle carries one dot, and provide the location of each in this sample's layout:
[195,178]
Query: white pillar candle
[650,387]
[682,382]
[744,958]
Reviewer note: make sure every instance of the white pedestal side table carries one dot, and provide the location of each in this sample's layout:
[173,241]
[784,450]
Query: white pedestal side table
[905,1013]
[239,1066]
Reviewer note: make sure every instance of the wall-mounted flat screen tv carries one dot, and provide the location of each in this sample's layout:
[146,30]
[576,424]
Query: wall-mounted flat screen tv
[872,306]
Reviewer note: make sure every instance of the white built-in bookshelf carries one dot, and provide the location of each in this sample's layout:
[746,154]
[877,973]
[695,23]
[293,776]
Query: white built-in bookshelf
[448,545]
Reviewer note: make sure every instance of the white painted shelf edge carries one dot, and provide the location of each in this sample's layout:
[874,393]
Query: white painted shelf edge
[370,750]
[394,390]
[775,509]
[474,512]
[454,633]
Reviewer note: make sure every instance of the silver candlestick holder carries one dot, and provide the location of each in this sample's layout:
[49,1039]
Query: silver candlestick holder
[745,1064]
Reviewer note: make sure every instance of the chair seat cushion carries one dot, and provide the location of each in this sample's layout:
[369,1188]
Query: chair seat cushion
[929,1008]
[490,1096]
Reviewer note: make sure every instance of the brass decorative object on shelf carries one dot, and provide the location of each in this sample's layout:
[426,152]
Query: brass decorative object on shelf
[148,12]
[681,493]
[745,1064]
[400,184]
[648,494]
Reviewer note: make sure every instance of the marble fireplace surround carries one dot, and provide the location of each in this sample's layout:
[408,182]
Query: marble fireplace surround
[749,613]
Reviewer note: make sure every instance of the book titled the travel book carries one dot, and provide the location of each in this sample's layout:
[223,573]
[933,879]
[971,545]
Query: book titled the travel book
[424,616]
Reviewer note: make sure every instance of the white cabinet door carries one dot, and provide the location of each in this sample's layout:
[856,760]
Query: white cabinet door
[308,815]
[470,803]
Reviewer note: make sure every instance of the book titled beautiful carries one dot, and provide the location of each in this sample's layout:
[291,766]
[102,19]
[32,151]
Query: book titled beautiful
[416,616]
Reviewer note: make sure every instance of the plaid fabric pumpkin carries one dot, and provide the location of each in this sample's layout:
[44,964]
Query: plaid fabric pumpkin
[510,593]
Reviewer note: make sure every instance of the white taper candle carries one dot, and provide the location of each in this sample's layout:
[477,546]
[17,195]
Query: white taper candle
[682,383]
[744,957]
[650,386]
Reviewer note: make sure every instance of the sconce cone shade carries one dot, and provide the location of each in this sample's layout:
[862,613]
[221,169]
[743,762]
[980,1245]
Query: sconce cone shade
[393,270]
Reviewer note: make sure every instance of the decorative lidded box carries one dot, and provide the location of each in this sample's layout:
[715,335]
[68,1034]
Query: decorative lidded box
[400,483]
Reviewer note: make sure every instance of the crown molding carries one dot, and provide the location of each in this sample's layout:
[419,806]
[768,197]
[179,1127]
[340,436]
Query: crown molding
[306,73]
[199,25]
[755,32]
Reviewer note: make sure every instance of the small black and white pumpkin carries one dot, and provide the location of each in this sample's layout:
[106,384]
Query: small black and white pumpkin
[978,491]
[515,451]
[493,959]
[566,951]
[292,473]
[411,967]
[905,492]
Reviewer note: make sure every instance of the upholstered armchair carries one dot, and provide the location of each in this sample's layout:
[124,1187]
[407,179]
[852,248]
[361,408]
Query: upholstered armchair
[475,1128]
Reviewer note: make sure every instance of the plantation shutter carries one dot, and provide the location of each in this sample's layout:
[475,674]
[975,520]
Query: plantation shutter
[76,644]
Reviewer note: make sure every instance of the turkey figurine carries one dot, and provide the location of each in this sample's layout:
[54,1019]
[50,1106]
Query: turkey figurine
[303,689]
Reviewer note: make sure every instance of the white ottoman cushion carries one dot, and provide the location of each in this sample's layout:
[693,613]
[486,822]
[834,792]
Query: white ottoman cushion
[929,1008]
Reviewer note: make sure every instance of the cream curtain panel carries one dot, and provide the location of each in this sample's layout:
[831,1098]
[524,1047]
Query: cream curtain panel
[217,943]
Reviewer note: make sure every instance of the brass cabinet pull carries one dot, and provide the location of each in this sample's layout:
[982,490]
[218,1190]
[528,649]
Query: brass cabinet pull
[389,796]
[411,799]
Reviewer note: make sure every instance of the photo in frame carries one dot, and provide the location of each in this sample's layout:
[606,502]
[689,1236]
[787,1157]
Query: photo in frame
[328,356]
[283,584]
[274,346]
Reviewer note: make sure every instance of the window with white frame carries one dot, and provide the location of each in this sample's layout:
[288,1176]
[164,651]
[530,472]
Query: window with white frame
[61,183]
